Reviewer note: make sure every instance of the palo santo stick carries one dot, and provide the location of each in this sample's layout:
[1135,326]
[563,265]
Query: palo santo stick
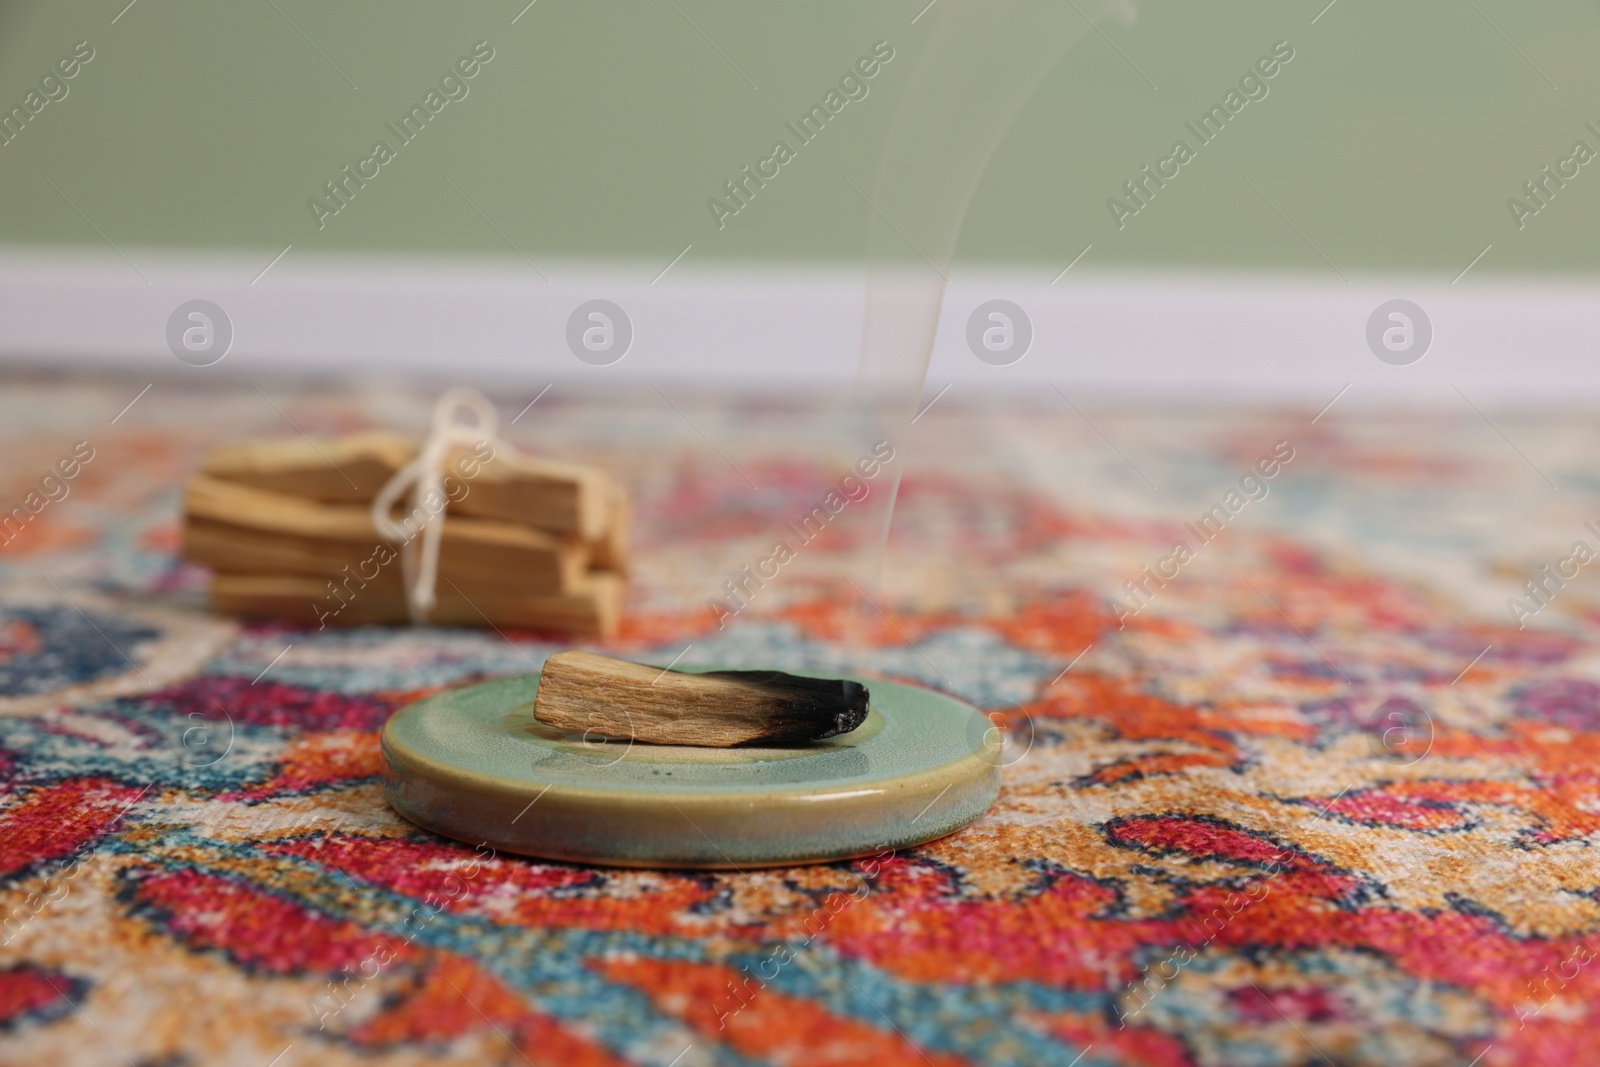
[237,528]
[592,609]
[597,694]
[340,470]
[246,550]
[547,494]
[565,498]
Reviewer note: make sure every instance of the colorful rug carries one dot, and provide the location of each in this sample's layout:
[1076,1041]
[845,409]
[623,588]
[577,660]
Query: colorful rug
[1299,770]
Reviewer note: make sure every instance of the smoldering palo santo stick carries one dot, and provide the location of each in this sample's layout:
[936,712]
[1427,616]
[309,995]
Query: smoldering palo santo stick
[594,694]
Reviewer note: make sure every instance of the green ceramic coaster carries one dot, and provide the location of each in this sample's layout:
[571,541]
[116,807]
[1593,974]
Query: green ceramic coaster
[474,764]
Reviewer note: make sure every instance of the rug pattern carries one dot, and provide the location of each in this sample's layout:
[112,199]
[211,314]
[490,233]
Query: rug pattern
[1309,795]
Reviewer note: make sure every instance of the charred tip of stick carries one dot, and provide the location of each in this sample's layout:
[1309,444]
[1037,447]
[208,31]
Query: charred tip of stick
[853,713]
[807,709]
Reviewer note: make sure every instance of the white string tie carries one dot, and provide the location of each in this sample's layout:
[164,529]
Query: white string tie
[425,476]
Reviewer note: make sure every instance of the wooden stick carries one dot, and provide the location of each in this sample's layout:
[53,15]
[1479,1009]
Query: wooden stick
[566,498]
[249,550]
[240,529]
[347,470]
[563,498]
[594,694]
[591,609]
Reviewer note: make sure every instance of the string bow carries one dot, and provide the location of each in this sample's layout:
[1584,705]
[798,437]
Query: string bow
[425,477]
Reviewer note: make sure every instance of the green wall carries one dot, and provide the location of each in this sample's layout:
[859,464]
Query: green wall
[1390,142]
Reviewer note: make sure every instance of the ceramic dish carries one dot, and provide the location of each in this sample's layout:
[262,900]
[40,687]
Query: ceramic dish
[474,764]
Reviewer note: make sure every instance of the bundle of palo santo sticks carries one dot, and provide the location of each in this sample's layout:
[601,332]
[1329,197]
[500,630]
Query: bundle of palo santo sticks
[286,526]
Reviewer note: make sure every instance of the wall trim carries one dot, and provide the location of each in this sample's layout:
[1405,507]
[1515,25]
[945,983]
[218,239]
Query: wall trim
[1246,336]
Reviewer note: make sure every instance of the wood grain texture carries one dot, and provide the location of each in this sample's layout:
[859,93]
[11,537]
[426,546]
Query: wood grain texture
[589,693]
[592,609]
[240,529]
[348,469]
[548,494]
[567,498]
[285,525]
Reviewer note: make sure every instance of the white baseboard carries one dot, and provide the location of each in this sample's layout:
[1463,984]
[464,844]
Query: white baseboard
[1251,337]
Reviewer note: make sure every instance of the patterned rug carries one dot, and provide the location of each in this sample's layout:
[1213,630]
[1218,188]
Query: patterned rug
[1302,725]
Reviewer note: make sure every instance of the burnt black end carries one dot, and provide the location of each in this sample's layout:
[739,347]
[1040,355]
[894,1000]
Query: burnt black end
[852,712]
[804,709]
